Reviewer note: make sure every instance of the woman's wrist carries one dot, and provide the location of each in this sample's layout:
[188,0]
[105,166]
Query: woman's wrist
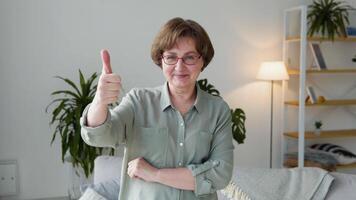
[97,114]
[157,176]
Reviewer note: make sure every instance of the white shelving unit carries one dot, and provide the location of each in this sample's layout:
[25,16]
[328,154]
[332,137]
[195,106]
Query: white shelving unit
[301,72]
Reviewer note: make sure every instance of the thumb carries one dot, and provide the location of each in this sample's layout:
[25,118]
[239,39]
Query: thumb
[105,58]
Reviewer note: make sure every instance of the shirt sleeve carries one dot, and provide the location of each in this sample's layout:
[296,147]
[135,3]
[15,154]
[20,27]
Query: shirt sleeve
[112,132]
[216,172]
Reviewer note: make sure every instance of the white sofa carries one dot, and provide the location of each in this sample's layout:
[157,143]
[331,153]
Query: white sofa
[343,187]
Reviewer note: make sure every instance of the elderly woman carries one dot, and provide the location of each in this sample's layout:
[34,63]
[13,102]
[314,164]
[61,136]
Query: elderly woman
[178,140]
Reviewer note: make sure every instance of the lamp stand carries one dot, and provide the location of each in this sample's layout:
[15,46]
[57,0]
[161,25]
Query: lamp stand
[271,127]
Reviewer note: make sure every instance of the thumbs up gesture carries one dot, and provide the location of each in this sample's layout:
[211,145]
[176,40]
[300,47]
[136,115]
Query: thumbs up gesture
[109,84]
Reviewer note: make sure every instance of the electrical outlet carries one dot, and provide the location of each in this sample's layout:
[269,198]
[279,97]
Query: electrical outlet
[8,178]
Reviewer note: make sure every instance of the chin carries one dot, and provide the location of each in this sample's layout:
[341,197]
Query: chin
[182,84]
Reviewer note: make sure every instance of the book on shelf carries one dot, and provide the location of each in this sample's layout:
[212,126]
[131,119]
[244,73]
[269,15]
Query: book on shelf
[351,28]
[351,32]
[312,95]
[318,56]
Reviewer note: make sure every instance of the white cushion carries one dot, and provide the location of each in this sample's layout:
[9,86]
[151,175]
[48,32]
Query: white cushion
[341,154]
[91,194]
[107,168]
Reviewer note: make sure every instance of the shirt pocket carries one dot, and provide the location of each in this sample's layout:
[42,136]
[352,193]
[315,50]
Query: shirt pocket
[151,144]
[198,146]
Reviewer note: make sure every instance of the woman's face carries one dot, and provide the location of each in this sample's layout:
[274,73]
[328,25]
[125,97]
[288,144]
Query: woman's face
[183,74]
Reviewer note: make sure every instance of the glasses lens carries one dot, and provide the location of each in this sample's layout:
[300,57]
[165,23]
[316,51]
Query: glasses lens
[170,60]
[190,59]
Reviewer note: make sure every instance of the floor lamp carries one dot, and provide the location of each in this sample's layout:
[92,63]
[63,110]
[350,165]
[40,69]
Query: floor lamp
[272,71]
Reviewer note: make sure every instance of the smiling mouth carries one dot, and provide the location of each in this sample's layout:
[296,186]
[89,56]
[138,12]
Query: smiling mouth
[181,75]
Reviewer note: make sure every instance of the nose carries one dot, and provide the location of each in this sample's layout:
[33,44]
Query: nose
[180,64]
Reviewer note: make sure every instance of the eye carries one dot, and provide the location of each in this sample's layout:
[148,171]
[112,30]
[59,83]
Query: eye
[189,57]
[171,57]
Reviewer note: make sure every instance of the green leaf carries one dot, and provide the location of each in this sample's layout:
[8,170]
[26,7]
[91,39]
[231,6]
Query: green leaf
[65,92]
[82,82]
[70,83]
[57,111]
[238,125]
[205,86]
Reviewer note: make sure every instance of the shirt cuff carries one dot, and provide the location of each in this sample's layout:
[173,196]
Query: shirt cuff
[203,185]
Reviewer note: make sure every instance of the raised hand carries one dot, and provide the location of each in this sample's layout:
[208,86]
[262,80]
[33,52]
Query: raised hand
[109,84]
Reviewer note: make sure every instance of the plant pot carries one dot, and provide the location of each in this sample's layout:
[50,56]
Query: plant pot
[317,132]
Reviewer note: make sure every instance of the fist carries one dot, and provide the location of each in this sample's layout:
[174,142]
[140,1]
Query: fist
[109,84]
[140,168]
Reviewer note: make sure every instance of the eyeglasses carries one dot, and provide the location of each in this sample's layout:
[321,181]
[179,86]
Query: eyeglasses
[188,59]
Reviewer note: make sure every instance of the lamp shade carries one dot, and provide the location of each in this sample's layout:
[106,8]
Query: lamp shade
[275,70]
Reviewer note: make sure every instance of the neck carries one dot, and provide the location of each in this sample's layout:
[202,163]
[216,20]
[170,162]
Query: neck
[184,94]
[182,98]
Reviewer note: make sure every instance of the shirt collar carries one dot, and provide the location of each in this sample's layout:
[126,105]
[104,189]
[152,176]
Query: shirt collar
[199,102]
[165,100]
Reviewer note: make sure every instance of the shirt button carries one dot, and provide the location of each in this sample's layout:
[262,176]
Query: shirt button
[181,144]
[180,164]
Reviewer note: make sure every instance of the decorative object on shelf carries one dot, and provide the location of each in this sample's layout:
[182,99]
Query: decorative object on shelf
[311,94]
[238,116]
[341,154]
[321,99]
[329,18]
[66,116]
[318,56]
[272,71]
[354,59]
[307,99]
[318,125]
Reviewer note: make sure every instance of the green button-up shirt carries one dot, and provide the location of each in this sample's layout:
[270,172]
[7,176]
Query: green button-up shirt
[149,126]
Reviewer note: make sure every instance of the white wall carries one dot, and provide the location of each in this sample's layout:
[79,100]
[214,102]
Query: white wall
[41,39]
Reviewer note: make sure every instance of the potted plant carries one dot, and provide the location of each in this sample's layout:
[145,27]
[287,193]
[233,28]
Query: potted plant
[69,105]
[238,116]
[317,125]
[328,18]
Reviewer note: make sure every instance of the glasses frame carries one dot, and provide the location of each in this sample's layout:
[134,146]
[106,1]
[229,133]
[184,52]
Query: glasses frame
[178,58]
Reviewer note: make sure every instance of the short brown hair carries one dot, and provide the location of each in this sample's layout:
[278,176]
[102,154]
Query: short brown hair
[177,28]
